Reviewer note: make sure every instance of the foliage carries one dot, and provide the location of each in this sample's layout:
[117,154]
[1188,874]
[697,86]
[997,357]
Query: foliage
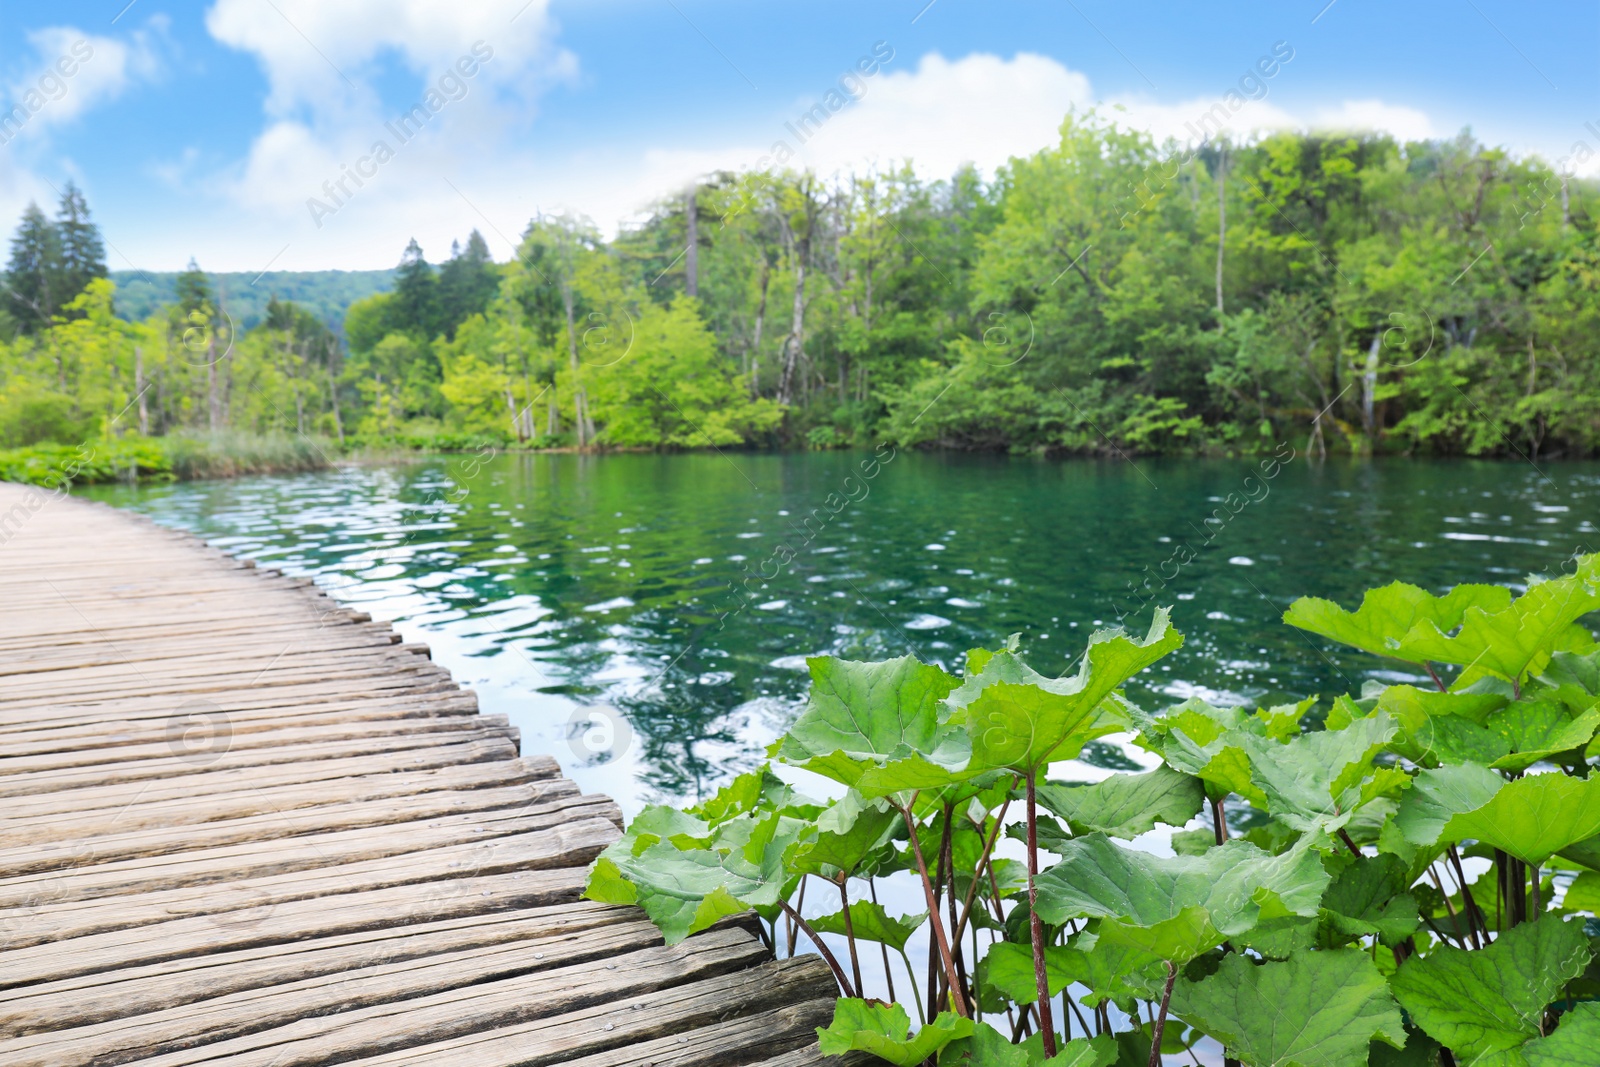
[160,459]
[1318,911]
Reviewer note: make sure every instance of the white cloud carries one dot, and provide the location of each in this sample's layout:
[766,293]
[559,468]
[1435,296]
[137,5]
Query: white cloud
[74,72]
[1403,123]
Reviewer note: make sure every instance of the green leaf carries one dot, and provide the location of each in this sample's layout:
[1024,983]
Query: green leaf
[848,833]
[1438,795]
[1482,1002]
[1319,1009]
[987,1047]
[1536,730]
[685,890]
[1583,894]
[871,923]
[1575,1042]
[1184,904]
[1369,898]
[1318,776]
[876,726]
[1535,817]
[1388,617]
[1198,739]
[1511,640]
[1008,967]
[884,1030]
[1443,727]
[1125,805]
[1021,719]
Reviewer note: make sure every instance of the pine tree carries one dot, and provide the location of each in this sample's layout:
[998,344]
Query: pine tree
[82,250]
[415,295]
[467,282]
[32,283]
[194,291]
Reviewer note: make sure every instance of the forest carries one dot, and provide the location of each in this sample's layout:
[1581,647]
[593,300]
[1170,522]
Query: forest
[1108,295]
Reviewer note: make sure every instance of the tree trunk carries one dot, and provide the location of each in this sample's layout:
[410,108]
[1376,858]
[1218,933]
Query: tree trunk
[213,412]
[333,399]
[761,318]
[794,344]
[1222,220]
[138,389]
[691,251]
[580,422]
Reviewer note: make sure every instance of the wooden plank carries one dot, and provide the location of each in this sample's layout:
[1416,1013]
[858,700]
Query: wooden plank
[317,1040]
[279,825]
[137,990]
[718,1045]
[567,844]
[262,856]
[629,1022]
[246,925]
[203,771]
[86,813]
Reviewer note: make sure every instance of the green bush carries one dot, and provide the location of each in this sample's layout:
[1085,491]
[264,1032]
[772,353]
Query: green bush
[159,459]
[1317,910]
[41,417]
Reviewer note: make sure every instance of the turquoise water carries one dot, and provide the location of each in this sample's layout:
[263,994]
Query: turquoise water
[646,618]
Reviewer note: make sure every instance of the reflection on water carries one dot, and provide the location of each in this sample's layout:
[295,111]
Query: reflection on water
[647,618]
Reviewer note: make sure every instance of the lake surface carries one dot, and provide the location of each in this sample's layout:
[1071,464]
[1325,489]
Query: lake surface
[593,598]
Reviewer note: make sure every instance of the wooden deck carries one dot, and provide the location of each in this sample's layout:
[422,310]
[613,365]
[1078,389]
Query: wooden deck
[241,824]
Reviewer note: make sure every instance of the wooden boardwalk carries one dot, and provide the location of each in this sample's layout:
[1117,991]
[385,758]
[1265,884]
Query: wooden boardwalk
[241,824]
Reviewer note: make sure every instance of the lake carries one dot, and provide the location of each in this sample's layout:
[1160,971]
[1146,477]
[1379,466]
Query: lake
[646,618]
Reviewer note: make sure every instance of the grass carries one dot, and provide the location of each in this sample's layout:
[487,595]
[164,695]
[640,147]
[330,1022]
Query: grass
[182,456]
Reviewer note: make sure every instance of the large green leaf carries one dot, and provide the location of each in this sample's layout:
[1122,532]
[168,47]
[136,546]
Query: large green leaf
[685,890]
[1178,906]
[1318,776]
[1479,1003]
[1535,817]
[885,1031]
[1201,740]
[1390,621]
[1023,720]
[1510,640]
[987,1047]
[1574,679]
[1109,971]
[1576,1042]
[1125,805]
[1440,727]
[848,833]
[876,726]
[1436,796]
[869,922]
[1537,729]
[1369,898]
[1317,1009]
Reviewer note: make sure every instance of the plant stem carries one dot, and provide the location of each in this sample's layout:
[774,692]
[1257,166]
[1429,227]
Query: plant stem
[1161,1019]
[1351,845]
[933,916]
[850,931]
[972,892]
[1036,927]
[827,954]
[1455,923]
[790,922]
[1435,676]
[872,891]
[911,977]
[950,898]
[1219,824]
[1537,909]
[1474,916]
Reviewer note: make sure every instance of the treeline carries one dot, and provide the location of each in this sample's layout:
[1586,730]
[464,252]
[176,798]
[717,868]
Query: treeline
[1108,294]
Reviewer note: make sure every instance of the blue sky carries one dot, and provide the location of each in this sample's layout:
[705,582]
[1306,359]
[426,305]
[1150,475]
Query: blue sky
[209,129]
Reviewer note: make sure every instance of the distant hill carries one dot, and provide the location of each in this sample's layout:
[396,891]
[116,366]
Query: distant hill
[325,293]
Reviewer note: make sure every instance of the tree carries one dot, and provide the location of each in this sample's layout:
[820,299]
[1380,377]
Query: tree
[32,293]
[468,280]
[416,295]
[82,250]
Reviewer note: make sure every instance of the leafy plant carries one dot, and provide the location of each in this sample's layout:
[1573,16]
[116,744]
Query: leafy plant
[1407,875]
